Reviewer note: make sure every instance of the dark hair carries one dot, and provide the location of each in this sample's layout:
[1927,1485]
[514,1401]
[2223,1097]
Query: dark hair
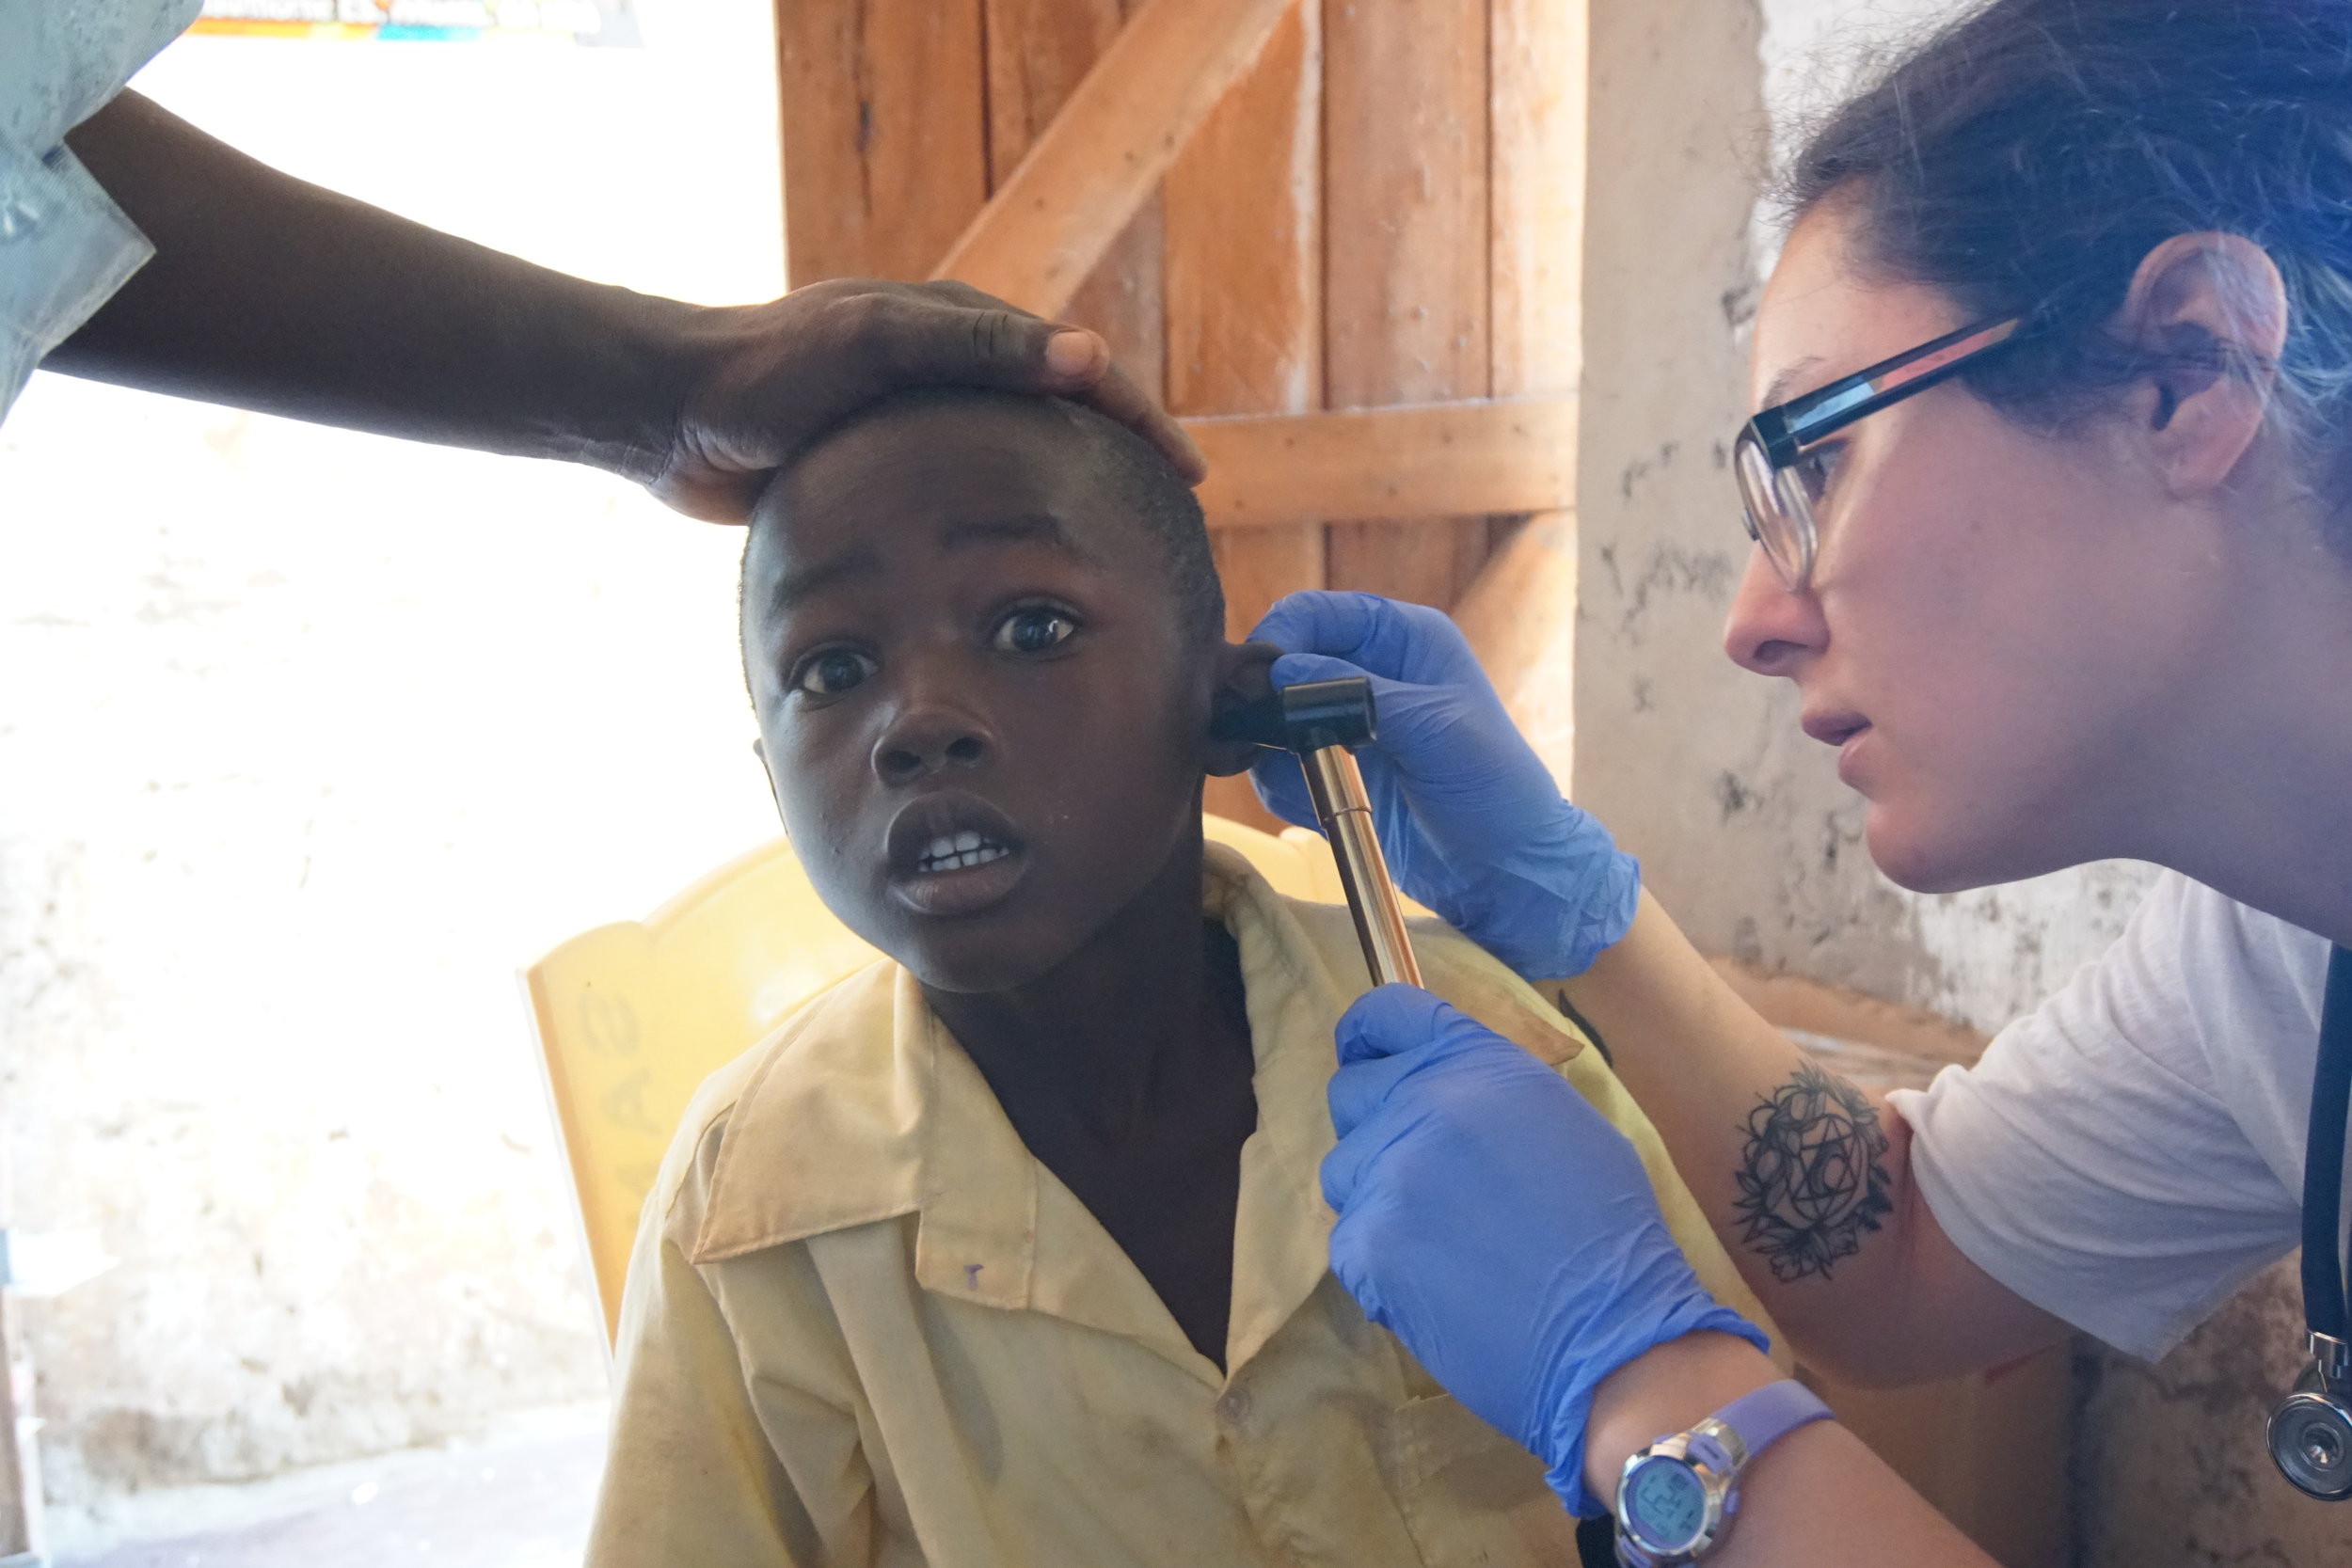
[1123,461]
[1169,513]
[2026,156]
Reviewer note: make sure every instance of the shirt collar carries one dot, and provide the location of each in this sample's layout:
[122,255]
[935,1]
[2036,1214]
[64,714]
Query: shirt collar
[866,1109]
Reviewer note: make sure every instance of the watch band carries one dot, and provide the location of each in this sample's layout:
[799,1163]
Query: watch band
[1757,1420]
[1717,1449]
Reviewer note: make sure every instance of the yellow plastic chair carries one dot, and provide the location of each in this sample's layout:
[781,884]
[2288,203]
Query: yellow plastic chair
[632,1017]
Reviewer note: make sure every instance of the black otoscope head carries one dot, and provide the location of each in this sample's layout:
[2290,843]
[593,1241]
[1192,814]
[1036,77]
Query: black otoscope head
[1303,718]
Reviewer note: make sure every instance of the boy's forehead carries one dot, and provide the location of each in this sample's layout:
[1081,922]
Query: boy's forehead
[952,478]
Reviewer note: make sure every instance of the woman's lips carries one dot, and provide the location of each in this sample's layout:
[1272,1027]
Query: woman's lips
[1847,750]
[1844,731]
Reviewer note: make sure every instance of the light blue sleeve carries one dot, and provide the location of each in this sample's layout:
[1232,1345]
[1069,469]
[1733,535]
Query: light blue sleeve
[65,247]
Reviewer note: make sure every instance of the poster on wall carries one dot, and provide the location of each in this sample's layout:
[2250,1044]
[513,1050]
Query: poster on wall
[608,23]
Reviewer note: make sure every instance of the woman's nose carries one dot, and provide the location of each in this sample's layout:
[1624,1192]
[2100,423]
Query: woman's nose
[1772,628]
[927,736]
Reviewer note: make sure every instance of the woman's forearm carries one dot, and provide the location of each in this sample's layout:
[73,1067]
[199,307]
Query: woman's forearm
[1806,1180]
[1817,1499]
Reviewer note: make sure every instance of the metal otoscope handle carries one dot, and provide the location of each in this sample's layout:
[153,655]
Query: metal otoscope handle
[1338,788]
[1318,721]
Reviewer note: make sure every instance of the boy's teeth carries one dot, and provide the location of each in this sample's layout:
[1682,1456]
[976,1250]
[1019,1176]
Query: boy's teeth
[953,853]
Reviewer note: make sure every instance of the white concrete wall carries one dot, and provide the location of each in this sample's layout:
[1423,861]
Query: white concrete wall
[307,740]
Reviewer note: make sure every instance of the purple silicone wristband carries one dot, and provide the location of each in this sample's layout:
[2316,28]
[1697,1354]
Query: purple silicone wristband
[1771,1413]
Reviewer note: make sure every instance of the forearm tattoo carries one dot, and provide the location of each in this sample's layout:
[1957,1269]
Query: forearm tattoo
[1813,1178]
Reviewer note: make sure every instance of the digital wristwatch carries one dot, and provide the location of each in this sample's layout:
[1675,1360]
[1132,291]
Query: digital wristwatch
[1675,1497]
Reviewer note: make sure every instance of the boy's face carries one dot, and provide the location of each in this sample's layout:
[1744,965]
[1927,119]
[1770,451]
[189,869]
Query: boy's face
[984,721]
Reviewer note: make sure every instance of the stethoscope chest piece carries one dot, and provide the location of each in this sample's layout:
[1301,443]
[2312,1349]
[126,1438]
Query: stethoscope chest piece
[2311,1430]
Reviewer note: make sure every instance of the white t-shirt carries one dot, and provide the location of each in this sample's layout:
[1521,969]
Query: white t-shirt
[2128,1154]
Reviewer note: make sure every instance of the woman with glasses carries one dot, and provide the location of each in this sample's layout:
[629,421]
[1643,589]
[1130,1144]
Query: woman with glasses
[2050,490]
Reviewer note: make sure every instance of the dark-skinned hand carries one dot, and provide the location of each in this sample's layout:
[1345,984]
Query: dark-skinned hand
[779,374]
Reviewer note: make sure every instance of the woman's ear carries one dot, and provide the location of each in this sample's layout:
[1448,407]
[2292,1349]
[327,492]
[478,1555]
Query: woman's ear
[2211,309]
[1244,675]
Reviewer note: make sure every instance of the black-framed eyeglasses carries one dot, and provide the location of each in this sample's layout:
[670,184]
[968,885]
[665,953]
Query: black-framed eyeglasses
[1777,459]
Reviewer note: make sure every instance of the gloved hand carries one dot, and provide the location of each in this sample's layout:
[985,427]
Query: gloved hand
[1496,1224]
[1468,818]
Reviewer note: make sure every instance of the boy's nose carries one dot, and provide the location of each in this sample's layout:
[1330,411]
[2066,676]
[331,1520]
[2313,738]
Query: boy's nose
[926,740]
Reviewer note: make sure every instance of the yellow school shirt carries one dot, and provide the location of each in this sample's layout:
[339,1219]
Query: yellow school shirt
[864,1325]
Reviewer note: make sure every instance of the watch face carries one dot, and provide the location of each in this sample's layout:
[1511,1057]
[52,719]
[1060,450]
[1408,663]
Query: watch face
[1665,1504]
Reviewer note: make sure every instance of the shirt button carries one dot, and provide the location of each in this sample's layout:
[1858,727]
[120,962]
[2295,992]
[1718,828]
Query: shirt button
[1232,1406]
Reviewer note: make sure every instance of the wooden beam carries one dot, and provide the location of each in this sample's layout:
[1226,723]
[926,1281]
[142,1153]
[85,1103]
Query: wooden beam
[1407,280]
[884,149]
[1095,166]
[1537,201]
[1245,320]
[1038,51]
[1519,615]
[1444,459]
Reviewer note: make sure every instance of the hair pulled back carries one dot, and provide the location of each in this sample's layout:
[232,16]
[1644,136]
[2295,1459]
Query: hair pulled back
[2025,157]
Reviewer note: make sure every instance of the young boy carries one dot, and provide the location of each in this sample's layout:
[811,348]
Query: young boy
[1009,1253]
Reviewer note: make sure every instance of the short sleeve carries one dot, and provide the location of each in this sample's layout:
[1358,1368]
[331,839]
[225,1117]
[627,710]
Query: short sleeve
[2128,1154]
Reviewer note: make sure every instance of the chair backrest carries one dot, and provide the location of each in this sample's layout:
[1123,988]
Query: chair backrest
[632,1017]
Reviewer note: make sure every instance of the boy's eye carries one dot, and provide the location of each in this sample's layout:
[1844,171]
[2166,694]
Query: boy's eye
[1032,630]
[832,672]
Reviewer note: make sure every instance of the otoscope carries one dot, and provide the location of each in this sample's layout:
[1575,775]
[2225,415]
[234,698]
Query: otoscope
[1318,721]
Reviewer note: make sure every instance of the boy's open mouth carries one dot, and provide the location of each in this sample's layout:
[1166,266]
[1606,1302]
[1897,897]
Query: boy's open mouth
[955,851]
[953,854]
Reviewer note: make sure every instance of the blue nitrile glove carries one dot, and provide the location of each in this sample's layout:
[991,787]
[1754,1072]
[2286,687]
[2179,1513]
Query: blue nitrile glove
[1496,1224]
[1471,820]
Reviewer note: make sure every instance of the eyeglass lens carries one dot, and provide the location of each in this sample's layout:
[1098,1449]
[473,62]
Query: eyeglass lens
[1779,516]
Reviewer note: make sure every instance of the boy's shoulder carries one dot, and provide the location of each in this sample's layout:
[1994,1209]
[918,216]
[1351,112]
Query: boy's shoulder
[803,1131]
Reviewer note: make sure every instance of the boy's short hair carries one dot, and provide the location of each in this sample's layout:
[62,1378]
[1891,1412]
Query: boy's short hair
[1129,465]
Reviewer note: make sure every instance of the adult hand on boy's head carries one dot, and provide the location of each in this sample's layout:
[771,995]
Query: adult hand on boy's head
[763,380]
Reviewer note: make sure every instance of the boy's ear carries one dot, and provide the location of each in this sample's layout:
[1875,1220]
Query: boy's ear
[1244,675]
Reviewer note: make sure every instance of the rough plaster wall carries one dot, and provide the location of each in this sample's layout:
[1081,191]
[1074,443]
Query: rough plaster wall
[307,741]
[1699,769]
[2172,1467]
